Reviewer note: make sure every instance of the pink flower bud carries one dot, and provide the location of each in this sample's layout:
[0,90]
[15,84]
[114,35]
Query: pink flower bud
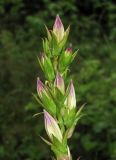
[68,54]
[40,87]
[71,98]
[69,50]
[52,127]
[59,83]
[58,28]
[58,23]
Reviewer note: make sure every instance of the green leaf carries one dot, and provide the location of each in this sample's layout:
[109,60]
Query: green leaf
[40,63]
[38,100]
[49,103]
[46,141]
[74,55]
[46,47]
[69,117]
[48,69]
[54,45]
[79,111]
[58,97]
[36,114]
[64,61]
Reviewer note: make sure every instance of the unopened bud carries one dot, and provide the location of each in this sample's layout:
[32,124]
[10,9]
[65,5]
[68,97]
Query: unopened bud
[59,83]
[52,127]
[71,98]
[58,28]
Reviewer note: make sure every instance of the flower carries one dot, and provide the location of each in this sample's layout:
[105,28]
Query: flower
[58,29]
[59,83]
[52,127]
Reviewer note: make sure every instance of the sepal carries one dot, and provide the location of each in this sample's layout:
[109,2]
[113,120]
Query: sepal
[62,44]
[47,67]
[59,99]
[66,59]
[46,47]
[45,98]
[78,115]
[69,117]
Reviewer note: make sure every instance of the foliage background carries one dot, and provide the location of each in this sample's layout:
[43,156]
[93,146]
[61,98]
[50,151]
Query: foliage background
[93,32]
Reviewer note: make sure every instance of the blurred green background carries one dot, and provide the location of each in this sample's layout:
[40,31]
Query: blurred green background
[94,72]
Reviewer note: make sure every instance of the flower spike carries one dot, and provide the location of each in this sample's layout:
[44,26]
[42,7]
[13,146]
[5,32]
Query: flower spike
[59,104]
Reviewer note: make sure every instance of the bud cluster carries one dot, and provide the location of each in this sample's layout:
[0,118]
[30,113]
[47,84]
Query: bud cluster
[57,99]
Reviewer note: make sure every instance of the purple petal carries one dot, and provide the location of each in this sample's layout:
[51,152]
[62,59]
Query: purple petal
[72,90]
[59,82]
[40,86]
[58,23]
[47,118]
[69,50]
